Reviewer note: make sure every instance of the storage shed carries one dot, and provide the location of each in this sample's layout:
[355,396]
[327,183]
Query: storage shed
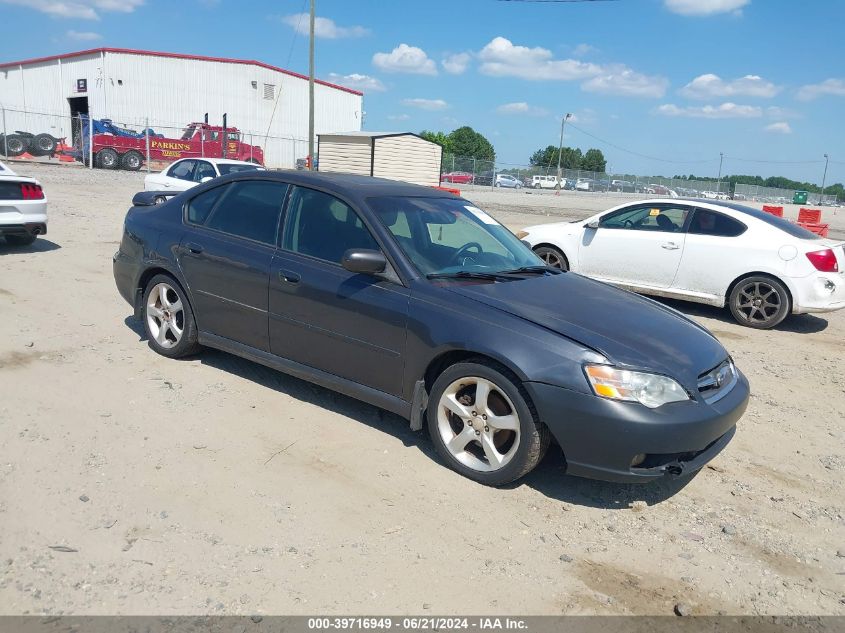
[398,156]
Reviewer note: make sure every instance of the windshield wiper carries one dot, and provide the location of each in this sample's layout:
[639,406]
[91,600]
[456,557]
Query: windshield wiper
[469,274]
[530,269]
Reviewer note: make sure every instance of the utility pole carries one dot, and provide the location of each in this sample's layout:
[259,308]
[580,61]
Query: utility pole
[311,90]
[560,146]
[826,159]
[719,184]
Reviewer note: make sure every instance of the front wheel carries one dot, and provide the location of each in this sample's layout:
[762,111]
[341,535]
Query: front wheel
[553,257]
[483,425]
[106,159]
[168,319]
[759,302]
[131,161]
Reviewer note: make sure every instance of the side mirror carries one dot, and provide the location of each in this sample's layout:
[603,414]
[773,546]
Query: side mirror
[364,261]
[527,243]
[592,225]
[206,179]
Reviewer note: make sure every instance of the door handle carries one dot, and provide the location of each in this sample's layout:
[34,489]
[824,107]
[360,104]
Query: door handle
[194,247]
[670,246]
[289,277]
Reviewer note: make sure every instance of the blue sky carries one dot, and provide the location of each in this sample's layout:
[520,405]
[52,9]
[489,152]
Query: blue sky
[681,80]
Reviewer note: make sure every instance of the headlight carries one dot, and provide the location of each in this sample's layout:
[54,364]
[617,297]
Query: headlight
[650,390]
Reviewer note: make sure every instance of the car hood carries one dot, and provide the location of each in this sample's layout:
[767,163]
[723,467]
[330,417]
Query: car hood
[629,330]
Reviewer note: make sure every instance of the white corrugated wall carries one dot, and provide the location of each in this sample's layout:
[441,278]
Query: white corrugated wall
[407,157]
[346,154]
[171,92]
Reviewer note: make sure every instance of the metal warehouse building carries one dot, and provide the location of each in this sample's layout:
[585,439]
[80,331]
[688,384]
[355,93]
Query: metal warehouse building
[168,90]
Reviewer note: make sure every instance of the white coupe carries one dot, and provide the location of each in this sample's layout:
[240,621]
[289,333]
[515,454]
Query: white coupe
[719,253]
[189,172]
[23,208]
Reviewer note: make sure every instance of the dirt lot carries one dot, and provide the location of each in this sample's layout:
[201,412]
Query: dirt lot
[133,484]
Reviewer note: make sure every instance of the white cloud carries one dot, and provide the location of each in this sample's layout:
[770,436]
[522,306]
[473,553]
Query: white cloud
[521,107]
[83,36]
[398,117]
[781,127]
[405,59]
[426,104]
[834,87]
[705,7]
[501,58]
[357,81]
[78,9]
[583,49]
[456,64]
[776,112]
[709,86]
[727,110]
[323,27]
[619,80]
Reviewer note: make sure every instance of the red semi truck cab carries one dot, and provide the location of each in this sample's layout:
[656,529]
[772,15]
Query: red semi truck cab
[112,151]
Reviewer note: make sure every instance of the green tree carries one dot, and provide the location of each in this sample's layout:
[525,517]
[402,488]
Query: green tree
[440,138]
[467,142]
[594,161]
[570,158]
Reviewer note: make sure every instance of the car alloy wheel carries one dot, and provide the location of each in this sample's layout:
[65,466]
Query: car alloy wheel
[553,257]
[759,302]
[165,316]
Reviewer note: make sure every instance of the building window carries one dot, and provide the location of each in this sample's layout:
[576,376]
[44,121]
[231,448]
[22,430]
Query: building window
[269,91]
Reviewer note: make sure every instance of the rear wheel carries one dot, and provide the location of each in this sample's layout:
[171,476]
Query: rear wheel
[759,302]
[20,240]
[168,319]
[483,425]
[552,256]
[15,144]
[106,159]
[43,145]
[131,160]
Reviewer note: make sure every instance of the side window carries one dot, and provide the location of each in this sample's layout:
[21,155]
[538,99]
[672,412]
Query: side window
[250,209]
[182,170]
[204,170]
[624,219]
[706,222]
[200,206]
[662,218]
[319,225]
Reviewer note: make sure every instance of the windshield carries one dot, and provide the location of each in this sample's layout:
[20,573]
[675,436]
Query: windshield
[232,168]
[449,235]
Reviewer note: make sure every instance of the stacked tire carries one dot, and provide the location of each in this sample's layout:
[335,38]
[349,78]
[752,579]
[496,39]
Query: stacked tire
[13,145]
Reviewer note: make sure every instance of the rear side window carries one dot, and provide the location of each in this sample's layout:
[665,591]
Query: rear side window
[250,209]
[706,222]
[200,206]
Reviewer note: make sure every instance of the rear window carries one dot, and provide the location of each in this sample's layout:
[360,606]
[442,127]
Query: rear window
[780,223]
[234,169]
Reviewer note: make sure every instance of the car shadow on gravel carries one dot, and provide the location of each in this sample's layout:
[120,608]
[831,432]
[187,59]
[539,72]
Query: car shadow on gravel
[40,245]
[797,323]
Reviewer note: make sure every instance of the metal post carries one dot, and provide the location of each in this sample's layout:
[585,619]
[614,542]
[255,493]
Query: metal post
[719,182]
[5,149]
[560,146]
[473,170]
[250,146]
[311,89]
[147,141]
[90,139]
[821,195]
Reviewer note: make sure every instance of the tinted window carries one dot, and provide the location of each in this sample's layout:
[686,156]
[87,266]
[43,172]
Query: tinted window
[706,222]
[204,170]
[230,168]
[664,218]
[182,170]
[200,206]
[250,210]
[321,226]
[784,225]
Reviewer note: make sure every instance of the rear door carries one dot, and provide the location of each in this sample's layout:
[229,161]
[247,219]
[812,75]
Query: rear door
[639,245]
[225,256]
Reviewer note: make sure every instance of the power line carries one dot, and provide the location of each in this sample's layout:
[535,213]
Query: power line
[776,162]
[628,151]
[557,1]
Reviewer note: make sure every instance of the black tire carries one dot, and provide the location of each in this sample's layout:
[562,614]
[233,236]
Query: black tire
[42,145]
[552,256]
[131,160]
[759,302]
[20,240]
[497,185]
[533,437]
[15,145]
[186,344]
[106,159]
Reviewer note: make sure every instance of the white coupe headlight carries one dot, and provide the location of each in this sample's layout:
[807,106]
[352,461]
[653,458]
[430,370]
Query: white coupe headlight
[650,390]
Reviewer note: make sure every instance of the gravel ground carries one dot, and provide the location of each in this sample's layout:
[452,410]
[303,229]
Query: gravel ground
[134,484]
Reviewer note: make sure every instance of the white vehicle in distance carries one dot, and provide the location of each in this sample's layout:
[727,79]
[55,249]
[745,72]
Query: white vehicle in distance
[545,182]
[714,195]
[23,208]
[189,172]
[506,180]
[718,253]
[585,184]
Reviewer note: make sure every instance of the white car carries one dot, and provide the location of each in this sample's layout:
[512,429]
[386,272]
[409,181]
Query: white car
[189,172]
[545,182]
[23,208]
[719,253]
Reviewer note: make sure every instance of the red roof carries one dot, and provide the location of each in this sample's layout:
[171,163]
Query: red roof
[203,58]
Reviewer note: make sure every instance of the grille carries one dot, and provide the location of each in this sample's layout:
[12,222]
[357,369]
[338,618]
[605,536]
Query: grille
[717,383]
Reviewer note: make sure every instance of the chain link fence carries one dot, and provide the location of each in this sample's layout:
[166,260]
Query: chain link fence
[772,195]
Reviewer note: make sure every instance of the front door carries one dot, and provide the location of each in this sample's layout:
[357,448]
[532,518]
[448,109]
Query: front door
[324,316]
[639,245]
[226,255]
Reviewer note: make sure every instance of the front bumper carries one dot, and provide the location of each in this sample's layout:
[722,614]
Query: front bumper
[600,437]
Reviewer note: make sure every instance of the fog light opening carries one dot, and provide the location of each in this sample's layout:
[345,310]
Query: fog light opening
[639,458]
